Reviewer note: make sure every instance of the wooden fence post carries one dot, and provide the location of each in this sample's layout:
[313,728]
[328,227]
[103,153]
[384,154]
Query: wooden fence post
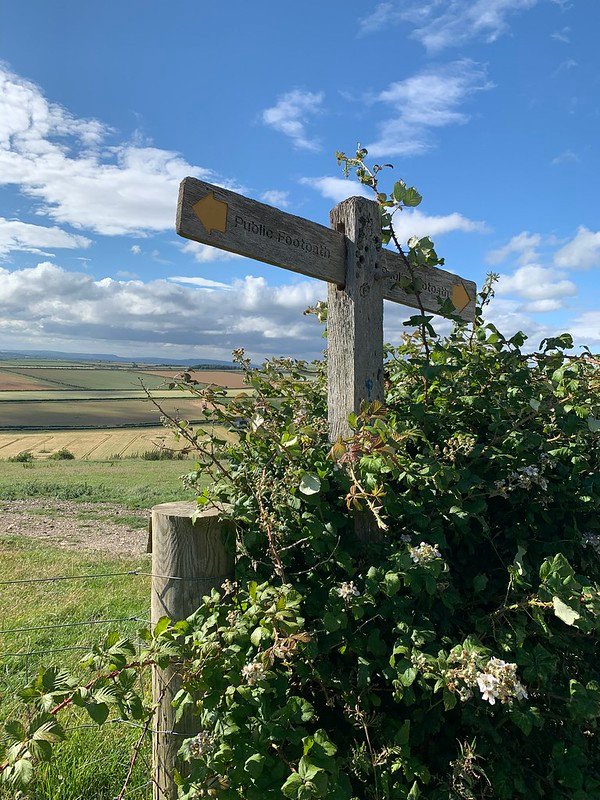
[188,560]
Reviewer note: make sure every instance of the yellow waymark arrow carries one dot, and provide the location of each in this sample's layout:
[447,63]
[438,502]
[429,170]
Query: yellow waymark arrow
[460,298]
[212,213]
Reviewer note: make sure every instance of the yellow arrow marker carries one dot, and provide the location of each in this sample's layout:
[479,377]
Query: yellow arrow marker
[460,297]
[212,213]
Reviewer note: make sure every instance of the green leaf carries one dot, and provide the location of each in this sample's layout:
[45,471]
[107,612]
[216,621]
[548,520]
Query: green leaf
[564,612]
[412,197]
[254,765]
[161,626]
[256,636]
[292,785]
[98,712]
[310,483]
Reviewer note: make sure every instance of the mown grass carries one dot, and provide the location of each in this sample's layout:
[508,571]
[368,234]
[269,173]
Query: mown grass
[132,483]
[92,763]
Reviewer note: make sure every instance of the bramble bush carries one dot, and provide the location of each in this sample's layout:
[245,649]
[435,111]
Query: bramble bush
[452,655]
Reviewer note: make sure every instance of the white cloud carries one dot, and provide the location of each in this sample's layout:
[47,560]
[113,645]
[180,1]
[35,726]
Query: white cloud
[415,223]
[337,189]
[290,116]
[52,307]
[447,23]
[78,179]
[276,197]
[25,237]
[428,100]
[587,327]
[536,283]
[136,249]
[582,252]
[202,283]
[524,244]
[406,223]
[205,253]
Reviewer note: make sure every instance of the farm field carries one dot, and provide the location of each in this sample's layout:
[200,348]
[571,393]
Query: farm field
[109,413]
[105,378]
[93,444]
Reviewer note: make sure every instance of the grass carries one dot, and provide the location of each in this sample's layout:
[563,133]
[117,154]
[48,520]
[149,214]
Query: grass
[130,482]
[92,763]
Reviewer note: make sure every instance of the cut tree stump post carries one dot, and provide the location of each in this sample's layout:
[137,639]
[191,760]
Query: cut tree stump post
[188,560]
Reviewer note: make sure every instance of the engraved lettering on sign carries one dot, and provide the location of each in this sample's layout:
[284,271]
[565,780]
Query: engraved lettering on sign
[281,237]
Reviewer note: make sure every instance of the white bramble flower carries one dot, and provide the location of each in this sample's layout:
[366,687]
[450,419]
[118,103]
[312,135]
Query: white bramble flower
[347,590]
[497,680]
[488,686]
[253,672]
[424,553]
[201,745]
[228,586]
[231,617]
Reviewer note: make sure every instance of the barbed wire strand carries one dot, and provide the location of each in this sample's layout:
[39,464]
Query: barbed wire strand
[57,578]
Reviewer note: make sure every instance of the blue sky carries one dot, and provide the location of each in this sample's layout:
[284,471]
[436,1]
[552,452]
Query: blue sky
[490,108]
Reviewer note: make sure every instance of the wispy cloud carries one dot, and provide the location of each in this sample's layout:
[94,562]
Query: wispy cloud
[566,157]
[562,35]
[337,189]
[276,197]
[204,253]
[202,283]
[426,101]
[25,237]
[439,24]
[78,178]
[290,116]
[524,246]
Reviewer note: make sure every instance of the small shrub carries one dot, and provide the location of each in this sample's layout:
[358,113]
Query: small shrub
[24,457]
[162,455]
[62,455]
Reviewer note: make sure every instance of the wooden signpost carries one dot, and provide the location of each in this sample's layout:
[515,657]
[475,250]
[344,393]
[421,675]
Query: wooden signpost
[348,256]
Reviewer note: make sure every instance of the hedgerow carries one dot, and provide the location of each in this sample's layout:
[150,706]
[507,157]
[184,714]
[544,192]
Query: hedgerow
[452,652]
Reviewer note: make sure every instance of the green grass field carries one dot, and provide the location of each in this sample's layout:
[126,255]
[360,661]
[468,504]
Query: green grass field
[92,763]
[130,482]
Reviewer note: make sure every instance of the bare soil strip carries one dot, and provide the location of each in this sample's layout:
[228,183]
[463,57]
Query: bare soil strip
[74,526]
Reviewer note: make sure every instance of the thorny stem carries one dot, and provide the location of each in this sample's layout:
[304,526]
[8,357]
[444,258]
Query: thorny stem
[138,745]
[270,537]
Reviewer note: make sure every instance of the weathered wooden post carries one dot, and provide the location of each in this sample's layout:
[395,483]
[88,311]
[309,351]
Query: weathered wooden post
[189,558]
[355,316]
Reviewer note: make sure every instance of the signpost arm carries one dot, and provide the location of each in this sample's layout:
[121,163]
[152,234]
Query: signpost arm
[355,316]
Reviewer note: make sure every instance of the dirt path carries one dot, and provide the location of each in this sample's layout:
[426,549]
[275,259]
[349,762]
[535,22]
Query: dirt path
[76,526]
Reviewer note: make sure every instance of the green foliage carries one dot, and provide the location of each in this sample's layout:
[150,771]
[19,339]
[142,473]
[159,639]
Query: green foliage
[162,454]
[62,455]
[24,457]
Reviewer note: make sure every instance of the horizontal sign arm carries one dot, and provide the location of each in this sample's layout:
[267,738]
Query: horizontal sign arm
[229,221]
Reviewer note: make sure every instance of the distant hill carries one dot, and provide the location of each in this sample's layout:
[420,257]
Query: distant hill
[57,355]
